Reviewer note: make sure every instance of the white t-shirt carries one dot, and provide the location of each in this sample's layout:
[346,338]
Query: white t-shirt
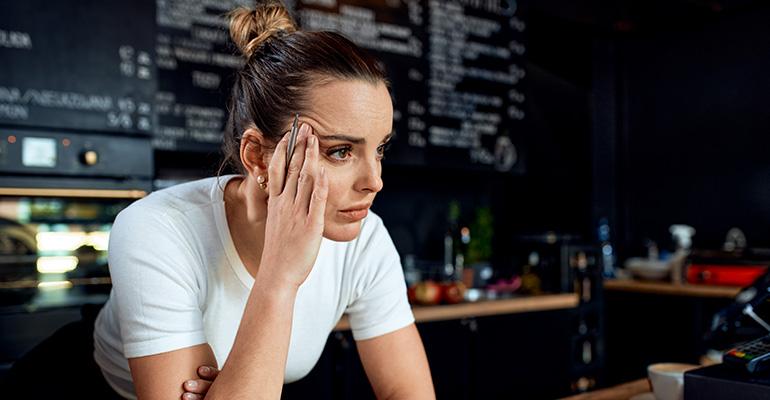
[178,282]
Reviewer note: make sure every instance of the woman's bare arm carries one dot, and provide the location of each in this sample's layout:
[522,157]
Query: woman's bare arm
[396,365]
[255,367]
[160,376]
[257,361]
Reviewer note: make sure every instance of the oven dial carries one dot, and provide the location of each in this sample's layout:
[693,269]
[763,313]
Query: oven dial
[89,157]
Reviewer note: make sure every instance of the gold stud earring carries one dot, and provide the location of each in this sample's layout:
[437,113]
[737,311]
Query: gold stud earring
[262,181]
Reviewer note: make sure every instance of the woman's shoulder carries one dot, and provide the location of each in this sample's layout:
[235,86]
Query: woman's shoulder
[182,207]
[185,195]
[176,201]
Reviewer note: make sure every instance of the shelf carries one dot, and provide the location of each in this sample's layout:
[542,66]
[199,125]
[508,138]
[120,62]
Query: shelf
[670,289]
[486,308]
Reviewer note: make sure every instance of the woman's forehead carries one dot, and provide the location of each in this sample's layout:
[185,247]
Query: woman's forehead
[354,108]
[344,132]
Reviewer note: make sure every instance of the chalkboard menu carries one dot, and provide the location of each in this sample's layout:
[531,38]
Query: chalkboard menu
[456,71]
[78,65]
[165,68]
[196,61]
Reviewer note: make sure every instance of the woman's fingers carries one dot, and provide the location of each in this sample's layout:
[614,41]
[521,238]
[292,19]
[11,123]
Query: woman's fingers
[307,176]
[295,164]
[318,199]
[277,168]
[208,373]
[197,388]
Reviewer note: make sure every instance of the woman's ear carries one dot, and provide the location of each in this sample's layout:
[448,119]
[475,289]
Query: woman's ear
[253,150]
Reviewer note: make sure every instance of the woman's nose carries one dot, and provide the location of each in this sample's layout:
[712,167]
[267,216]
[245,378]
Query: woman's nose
[370,178]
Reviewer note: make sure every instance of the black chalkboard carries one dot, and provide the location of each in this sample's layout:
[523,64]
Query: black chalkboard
[456,69]
[79,65]
[165,68]
[196,61]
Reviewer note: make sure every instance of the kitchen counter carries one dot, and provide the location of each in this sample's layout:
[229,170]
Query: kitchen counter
[670,289]
[486,308]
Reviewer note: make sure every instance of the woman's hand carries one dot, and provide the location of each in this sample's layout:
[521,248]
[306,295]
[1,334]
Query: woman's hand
[196,389]
[295,211]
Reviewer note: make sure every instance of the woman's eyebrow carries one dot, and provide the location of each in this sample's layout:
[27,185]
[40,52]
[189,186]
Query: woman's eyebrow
[348,138]
[343,138]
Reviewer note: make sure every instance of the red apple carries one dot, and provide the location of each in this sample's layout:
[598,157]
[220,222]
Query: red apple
[454,292]
[427,292]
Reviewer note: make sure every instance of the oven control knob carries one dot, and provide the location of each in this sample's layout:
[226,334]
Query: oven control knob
[89,157]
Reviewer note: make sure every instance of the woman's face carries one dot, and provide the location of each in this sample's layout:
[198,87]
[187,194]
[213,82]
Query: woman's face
[353,121]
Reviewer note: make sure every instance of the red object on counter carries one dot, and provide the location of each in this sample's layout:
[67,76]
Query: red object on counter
[430,293]
[453,292]
[427,293]
[727,275]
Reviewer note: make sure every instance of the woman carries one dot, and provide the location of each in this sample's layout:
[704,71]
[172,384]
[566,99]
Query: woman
[251,272]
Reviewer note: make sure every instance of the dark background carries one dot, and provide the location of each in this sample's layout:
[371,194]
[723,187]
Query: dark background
[672,95]
[647,113]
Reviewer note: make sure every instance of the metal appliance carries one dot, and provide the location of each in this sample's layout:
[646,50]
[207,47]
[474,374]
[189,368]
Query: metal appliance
[59,194]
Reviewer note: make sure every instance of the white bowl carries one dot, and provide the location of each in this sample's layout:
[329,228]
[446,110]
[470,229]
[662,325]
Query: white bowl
[648,269]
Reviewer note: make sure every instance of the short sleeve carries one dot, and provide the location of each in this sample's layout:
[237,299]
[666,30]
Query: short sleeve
[380,302]
[155,286]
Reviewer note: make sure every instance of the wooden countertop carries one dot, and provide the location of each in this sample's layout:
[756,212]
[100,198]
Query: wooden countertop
[620,392]
[670,289]
[486,308]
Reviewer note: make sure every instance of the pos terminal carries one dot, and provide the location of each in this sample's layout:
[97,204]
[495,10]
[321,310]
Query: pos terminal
[745,372]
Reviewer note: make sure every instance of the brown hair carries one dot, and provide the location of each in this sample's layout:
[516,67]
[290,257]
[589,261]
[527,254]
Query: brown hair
[282,64]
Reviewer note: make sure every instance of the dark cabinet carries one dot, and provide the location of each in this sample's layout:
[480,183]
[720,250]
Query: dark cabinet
[644,329]
[522,356]
[449,347]
[509,356]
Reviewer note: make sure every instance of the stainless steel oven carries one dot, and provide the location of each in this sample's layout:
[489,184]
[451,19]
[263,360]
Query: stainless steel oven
[59,194]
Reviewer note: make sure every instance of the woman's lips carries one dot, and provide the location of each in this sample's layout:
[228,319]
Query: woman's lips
[354,215]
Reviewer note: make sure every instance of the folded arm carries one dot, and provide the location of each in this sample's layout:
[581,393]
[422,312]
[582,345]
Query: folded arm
[256,364]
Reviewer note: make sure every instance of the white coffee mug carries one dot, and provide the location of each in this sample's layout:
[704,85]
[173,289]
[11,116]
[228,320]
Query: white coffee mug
[668,380]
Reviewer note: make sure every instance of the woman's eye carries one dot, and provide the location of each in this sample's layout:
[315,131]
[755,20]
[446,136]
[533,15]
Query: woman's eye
[339,154]
[383,148]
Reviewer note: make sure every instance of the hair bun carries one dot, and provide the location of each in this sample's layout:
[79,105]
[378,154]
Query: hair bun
[250,28]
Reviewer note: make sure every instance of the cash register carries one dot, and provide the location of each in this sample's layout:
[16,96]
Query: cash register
[745,371]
